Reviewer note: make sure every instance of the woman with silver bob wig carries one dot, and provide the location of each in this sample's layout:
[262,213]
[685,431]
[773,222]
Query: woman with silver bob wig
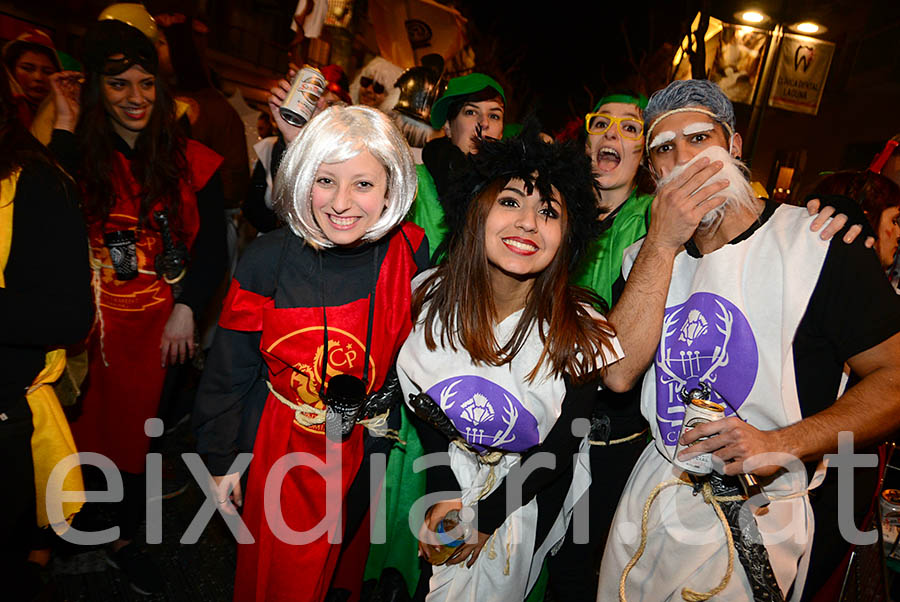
[336,135]
[308,335]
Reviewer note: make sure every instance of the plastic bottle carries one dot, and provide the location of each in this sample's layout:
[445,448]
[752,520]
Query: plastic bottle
[451,532]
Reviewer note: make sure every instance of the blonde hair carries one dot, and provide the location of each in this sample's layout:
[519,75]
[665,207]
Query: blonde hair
[336,135]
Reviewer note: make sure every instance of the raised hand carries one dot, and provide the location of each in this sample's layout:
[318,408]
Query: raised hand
[276,98]
[65,86]
[681,204]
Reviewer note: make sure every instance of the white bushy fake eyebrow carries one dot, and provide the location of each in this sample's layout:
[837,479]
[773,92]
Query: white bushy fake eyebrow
[662,137]
[696,128]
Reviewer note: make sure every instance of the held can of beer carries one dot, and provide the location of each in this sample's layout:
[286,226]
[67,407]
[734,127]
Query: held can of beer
[699,409]
[300,103]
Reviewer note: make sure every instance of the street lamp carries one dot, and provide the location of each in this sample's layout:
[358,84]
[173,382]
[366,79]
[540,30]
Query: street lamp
[808,27]
[768,72]
[752,16]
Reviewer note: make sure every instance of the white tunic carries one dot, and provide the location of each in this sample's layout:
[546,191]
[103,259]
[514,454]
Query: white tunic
[730,321]
[496,407]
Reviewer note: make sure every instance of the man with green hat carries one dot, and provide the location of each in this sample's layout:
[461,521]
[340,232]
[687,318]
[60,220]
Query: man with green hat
[470,109]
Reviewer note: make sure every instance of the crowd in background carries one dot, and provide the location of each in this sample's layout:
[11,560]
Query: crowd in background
[409,272]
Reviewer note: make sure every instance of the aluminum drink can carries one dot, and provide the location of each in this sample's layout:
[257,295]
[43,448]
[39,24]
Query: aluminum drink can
[697,412]
[300,103]
[890,521]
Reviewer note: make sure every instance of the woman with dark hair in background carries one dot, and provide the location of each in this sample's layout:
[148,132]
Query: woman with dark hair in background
[31,59]
[152,201]
[45,300]
[879,198]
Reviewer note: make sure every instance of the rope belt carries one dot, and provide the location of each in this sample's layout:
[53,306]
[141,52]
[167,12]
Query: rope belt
[307,415]
[741,534]
[492,553]
[96,266]
[631,437]
[708,497]
[490,460]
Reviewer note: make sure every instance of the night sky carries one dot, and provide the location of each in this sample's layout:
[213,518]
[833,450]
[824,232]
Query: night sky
[562,59]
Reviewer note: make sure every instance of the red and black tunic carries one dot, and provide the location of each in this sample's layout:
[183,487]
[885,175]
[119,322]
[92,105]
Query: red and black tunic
[292,311]
[125,378]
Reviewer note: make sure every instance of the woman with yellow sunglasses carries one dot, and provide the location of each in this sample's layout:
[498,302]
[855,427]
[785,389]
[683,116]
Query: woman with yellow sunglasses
[614,138]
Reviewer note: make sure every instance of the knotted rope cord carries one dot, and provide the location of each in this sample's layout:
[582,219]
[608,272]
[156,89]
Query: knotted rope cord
[686,594]
[492,552]
[96,266]
[95,284]
[300,409]
[490,458]
[622,440]
[377,424]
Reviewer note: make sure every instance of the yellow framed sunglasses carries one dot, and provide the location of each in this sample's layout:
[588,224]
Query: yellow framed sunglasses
[630,128]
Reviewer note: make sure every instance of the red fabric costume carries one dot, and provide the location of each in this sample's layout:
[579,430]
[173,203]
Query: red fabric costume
[294,327]
[124,375]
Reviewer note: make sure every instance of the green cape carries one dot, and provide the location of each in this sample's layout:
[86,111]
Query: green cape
[602,264]
[428,213]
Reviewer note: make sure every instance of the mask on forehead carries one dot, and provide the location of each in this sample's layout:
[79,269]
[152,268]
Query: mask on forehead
[112,47]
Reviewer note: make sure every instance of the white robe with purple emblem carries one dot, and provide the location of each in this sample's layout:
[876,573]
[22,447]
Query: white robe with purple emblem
[730,321]
[494,407]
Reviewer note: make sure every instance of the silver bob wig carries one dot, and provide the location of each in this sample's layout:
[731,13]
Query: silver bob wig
[335,135]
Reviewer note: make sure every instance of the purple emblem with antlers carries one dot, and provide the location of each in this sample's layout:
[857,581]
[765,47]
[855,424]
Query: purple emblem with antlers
[705,339]
[486,414]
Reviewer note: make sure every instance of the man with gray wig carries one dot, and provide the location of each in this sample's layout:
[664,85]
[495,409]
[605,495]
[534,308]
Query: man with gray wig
[754,317]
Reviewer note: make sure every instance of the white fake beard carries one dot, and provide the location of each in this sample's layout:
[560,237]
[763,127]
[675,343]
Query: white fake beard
[739,194]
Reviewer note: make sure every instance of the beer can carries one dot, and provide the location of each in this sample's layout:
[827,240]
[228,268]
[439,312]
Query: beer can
[306,89]
[890,521]
[697,412]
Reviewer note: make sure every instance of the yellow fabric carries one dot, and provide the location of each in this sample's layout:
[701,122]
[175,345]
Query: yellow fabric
[52,440]
[181,109]
[7,194]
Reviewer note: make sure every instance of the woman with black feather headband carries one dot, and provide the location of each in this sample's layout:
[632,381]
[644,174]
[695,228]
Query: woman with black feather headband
[508,355]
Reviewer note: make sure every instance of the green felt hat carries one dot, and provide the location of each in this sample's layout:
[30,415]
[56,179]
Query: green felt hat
[461,86]
[640,101]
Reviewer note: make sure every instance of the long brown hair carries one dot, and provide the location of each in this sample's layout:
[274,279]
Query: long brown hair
[158,163]
[458,295]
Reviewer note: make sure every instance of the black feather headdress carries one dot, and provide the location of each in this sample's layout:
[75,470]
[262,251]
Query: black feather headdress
[540,165]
